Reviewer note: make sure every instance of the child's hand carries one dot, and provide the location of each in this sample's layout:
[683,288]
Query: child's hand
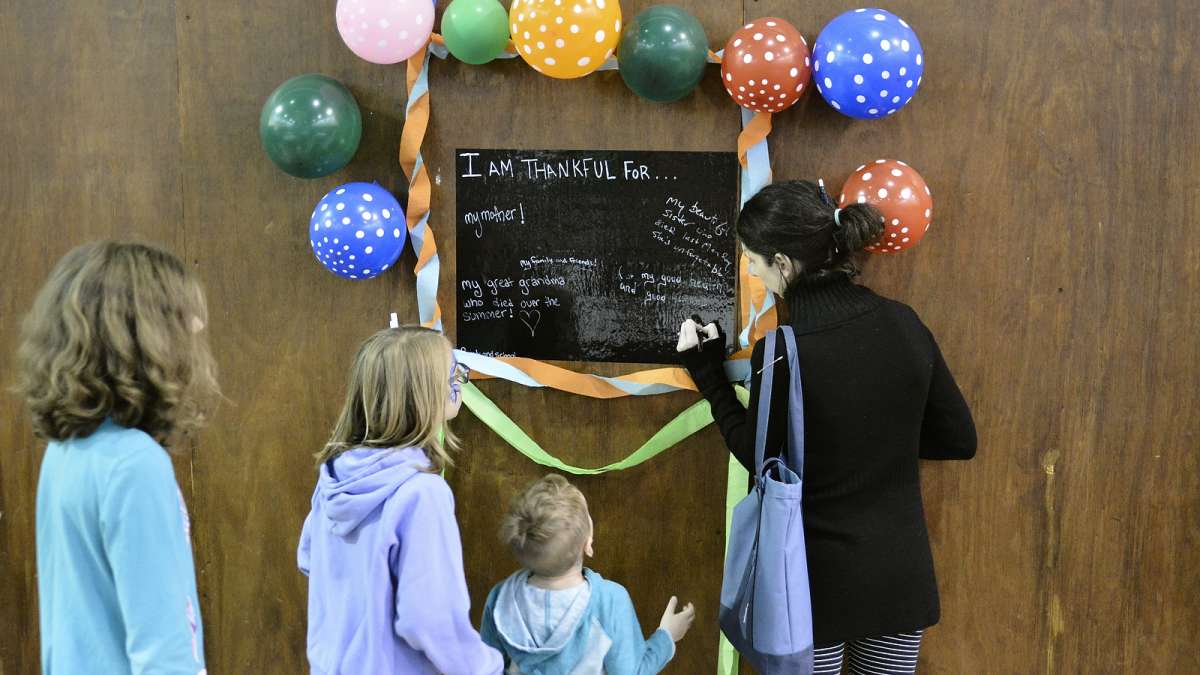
[677,623]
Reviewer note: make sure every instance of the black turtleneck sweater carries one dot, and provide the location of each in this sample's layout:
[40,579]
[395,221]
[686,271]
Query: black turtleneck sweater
[877,396]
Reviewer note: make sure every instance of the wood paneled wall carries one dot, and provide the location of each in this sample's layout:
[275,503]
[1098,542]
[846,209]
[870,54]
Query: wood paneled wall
[1061,276]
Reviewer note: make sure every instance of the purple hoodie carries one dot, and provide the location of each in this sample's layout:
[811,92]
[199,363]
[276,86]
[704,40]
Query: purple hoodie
[386,590]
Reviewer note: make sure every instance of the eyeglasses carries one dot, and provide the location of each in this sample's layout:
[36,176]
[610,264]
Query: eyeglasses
[461,374]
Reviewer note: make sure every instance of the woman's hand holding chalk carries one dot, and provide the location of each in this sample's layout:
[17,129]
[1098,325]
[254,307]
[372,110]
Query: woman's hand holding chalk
[690,332]
[689,336]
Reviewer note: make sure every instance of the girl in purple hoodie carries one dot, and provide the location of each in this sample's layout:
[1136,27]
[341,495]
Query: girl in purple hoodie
[386,590]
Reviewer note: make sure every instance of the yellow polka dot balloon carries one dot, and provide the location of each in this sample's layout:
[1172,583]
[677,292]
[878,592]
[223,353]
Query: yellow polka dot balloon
[565,38]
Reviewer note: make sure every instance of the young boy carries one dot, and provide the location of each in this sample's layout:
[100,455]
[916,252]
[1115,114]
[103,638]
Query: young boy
[555,616]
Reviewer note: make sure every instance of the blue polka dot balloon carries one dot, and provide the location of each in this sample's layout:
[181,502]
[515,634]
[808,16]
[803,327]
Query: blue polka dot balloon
[357,230]
[868,63]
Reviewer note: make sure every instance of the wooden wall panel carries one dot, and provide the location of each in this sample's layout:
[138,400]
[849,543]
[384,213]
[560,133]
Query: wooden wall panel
[1060,142]
[89,148]
[508,105]
[1056,277]
[283,327]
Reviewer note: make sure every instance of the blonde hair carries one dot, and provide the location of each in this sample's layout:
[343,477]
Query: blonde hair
[547,526]
[396,397]
[112,334]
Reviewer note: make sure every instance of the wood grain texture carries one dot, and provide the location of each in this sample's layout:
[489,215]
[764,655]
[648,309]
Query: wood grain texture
[1060,277]
[507,105]
[89,149]
[1056,278]
[284,328]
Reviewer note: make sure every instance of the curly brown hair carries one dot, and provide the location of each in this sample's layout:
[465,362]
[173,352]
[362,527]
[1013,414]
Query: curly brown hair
[115,333]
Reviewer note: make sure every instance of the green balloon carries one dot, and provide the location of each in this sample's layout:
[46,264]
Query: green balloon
[476,31]
[310,126]
[663,53]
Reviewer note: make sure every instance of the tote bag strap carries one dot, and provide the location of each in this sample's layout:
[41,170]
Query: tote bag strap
[795,405]
[765,387]
[795,436]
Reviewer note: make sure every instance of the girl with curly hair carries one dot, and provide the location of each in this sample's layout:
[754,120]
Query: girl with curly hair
[114,367]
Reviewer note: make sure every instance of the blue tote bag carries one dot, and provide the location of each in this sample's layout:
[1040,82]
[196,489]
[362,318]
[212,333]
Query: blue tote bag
[766,611]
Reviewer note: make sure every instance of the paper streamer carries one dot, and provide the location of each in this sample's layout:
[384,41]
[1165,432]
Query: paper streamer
[533,373]
[758,316]
[417,214]
[694,418]
[757,304]
[437,46]
[736,481]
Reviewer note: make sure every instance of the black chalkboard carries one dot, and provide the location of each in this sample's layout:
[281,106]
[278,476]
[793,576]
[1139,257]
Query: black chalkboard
[592,255]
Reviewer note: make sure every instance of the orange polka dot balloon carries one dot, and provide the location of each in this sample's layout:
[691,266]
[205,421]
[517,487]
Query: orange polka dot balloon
[766,65]
[565,38]
[901,196]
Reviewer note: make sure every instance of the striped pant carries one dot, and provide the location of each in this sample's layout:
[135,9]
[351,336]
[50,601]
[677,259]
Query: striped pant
[884,655]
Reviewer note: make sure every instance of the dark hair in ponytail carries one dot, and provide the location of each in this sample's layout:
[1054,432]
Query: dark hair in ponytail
[796,218]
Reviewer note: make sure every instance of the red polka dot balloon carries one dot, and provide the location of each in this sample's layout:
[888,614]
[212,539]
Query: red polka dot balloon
[900,194]
[766,65]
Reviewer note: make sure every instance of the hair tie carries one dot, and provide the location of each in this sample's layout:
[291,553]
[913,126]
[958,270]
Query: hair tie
[837,218]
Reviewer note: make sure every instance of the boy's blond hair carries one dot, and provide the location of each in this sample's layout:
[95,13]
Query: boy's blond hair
[396,397]
[113,333]
[547,526]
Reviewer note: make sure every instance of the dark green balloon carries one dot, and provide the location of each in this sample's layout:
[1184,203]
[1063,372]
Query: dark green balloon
[310,126]
[663,53]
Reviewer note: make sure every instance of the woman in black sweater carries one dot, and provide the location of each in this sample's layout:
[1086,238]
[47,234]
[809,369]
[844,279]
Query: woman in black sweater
[877,396]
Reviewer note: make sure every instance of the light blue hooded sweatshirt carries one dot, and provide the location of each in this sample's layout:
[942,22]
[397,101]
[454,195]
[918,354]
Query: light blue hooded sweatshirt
[587,630]
[386,590]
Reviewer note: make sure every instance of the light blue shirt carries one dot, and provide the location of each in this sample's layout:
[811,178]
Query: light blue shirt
[587,630]
[115,576]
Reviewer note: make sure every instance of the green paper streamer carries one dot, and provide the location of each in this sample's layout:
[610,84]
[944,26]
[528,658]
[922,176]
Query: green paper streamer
[735,491]
[694,418]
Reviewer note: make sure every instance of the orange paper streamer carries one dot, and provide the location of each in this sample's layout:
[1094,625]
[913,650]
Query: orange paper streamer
[754,133]
[419,189]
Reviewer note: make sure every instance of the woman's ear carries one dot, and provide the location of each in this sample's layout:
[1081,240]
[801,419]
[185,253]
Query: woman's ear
[787,267]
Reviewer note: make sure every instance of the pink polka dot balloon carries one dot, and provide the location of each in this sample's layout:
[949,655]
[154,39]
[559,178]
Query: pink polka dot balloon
[766,66]
[385,31]
[902,197]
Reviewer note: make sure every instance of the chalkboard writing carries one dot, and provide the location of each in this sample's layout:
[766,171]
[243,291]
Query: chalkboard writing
[592,255]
